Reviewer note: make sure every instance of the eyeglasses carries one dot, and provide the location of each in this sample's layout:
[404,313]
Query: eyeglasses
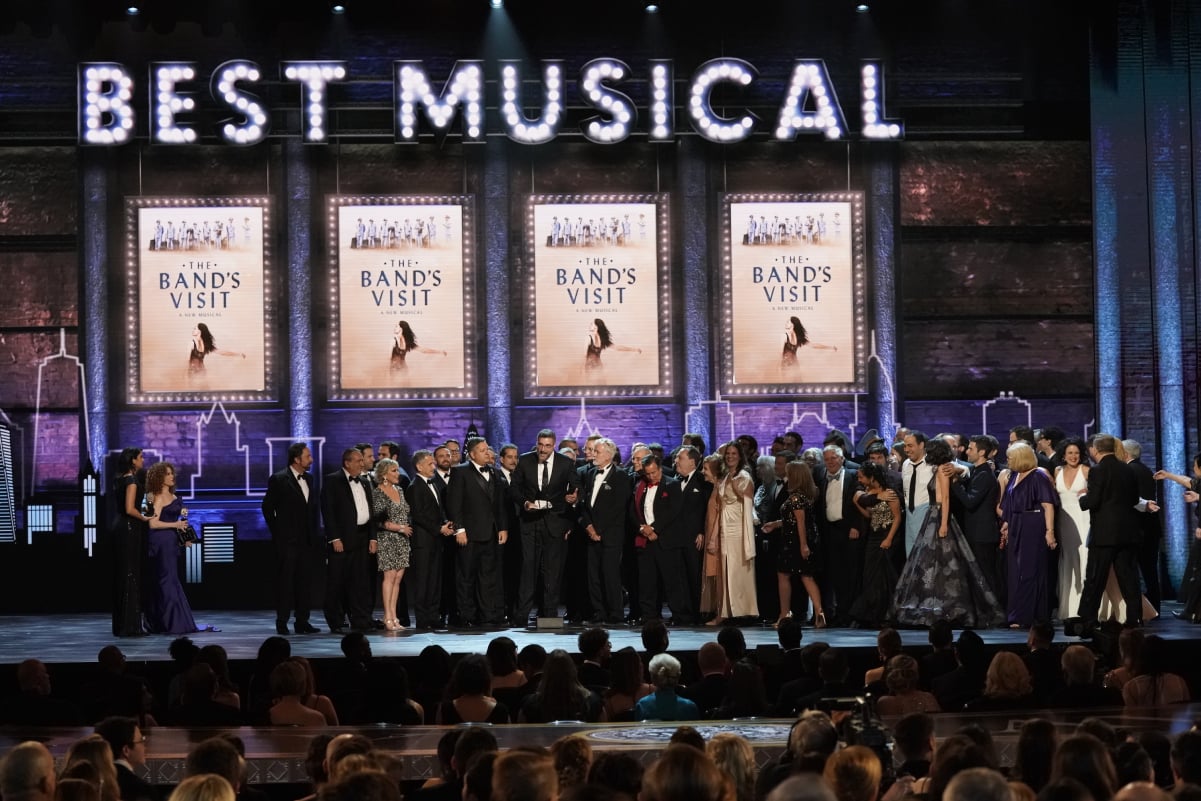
[139,742]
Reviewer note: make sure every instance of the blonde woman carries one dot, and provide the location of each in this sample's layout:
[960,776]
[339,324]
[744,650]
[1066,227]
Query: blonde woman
[204,787]
[734,756]
[390,511]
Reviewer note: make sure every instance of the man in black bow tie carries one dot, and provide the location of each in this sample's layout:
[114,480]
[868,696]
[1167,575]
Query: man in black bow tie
[290,509]
[346,511]
[430,530]
[605,503]
[476,502]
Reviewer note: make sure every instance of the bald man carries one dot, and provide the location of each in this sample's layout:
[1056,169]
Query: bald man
[27,774]
[1141,791]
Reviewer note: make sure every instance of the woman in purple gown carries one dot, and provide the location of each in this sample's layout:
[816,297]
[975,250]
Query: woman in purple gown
[1028,502]
[166,606]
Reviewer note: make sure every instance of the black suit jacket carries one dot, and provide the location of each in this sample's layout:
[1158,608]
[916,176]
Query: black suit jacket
[978,494]
[426,514]
[608,515]
[695,492]
[339,513]
[1110,499]
[563,480]
[133,787]
[669,502]
[475,504]
[851,516]
[1151,528]
[290,519]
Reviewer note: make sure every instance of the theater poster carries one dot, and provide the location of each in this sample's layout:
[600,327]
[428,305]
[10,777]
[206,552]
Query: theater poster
[403,294]
[792,294]
[200,299]
[597,297]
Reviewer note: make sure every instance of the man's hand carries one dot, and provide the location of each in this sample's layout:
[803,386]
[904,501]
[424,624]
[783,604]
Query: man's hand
[337,546]
[700,542]
[592,535]
[461,539]
[447,529]
[854,534]
[372,545]
[502,537]
[572,496]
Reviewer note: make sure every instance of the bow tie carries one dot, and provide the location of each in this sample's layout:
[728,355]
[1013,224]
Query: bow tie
[353,479]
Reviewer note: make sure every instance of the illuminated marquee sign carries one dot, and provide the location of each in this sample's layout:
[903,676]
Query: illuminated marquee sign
[809,105]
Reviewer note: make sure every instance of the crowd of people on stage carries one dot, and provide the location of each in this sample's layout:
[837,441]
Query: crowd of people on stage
[927,530]
[724,681]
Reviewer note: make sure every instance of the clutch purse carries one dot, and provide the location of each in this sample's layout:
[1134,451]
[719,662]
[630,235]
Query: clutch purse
[186,536]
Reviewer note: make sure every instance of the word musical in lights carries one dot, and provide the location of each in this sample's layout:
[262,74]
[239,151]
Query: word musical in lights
[809,106]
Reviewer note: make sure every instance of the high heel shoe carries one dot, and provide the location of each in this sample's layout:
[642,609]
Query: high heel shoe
[776,625]
[819,620]
[717,621]
[392,625]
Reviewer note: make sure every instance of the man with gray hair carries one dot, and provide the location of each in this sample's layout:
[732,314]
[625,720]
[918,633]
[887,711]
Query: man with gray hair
[840,523]
[978,784]
[27,773]
[604,501]
[802,788]
[1111,498]
[1151,529]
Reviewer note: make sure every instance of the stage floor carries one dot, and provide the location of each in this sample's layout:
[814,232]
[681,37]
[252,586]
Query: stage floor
[78,638]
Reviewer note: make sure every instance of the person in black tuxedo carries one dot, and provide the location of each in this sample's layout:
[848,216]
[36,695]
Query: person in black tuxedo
[1151,529]
[605,502]
[446,457]
[346,512]
[658,503]
[544,487]
[427,514]
[128,744]
[695,491]
[575,567]
[1111,498]
[841,523]
[977,492]
[475,501]
[290,509]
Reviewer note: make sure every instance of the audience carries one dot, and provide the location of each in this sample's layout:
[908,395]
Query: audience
[626,685]
[1079,689]
[521,774]
[913,742]
[128,744]
[941,659]
[469,691]
[903,695]
[1006,686]
[735,758]
[205,787]
[27,774]
[287,688]
[560,695]
[663,703]
[1153,685]
[746,695]
[853,774]
[710,691]
[94,752]
[573,759]
[1084,758]
[682,773]
[617,770]
[33,705]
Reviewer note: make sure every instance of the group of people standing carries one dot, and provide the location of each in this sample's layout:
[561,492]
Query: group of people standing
[145,521]
[492,537]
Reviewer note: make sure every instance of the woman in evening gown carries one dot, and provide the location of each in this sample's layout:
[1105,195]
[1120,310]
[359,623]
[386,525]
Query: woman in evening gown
[129,542]
[799,544]
[167,609]
[872,606]
[1189,592]
[941,579]
[731,537]
[390,511]
[1071,526]
[1027,534]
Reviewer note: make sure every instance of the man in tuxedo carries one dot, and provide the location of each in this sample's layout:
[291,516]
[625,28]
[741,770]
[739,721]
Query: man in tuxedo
[290,509]
[544,488]
[346,512]
[128,745]
[629,557]
[1150,528]
[391,450]
[660,542]
[977,492]
[431,528]
[511,553]
[695,492]
[475,501]
[575,567]
[605,502]
[841,523]
[1111,498]
[915,494]
[444,459]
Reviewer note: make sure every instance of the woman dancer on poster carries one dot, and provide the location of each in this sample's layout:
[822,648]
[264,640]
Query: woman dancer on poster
[129,539]
[598,340]
[202,345]
[731,537]
[795,338]
[390,510]
[941,579]
[404,341]
[1028,503]
[167,609]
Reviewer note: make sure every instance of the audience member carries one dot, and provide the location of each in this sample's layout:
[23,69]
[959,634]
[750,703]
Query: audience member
[524,775]
[594,651]
[1186,758]
[941,659]
[390,696]
[854,774]
[709,692]
[626,685]
[618,771]
[205,787]
[216,658]
[1159,747]
[128,745]
[1141,791]
[469,692]
[1036,746]
[683,773]
[810,742]
[1079,690]
[687,735]
[287,688]
[1132,764]
[573,759]
[663,703]
[1084,758]
[27,773]
[1006,685]
[198,702]
[1043,663]
[364,785]
[69,788]
[312,699]
[433,674]
[809,680]
[1130,648]
[903,695]
[913,742]
[801,788]
[560,695]
[978,784]
[473,740]
[33,705]
[731,639]
[1154,685]
[746,696]
[217,756]
[966,682]
[888,645]
[477,782]
[94,751]
[735,758]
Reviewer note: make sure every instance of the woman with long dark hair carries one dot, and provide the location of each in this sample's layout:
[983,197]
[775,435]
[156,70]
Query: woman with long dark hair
[128,528]
[203,344]
[599,339]
[731,537]
[560,695]
[872,606]
[404,341]
[799,543]
[795,338]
